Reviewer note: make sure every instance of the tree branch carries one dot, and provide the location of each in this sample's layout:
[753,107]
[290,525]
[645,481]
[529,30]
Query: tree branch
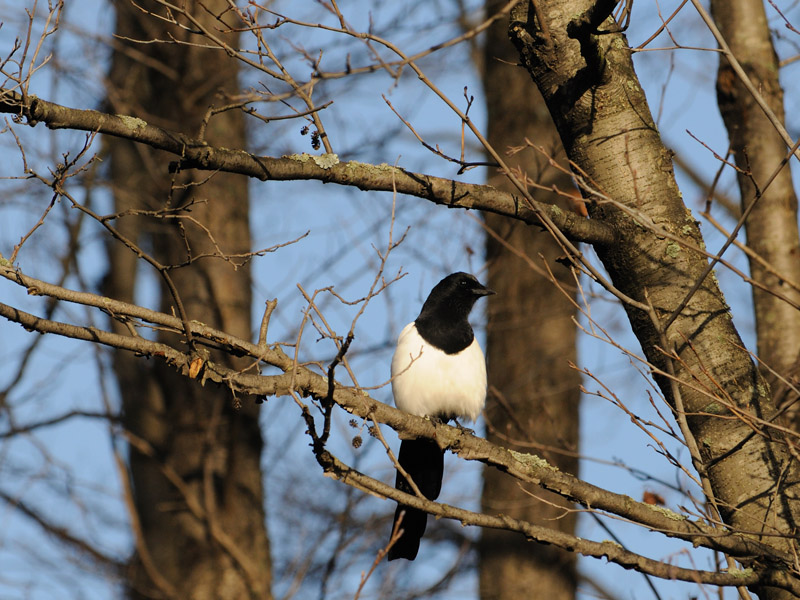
[307,383]
[197,154]
[606,549]
[63,535]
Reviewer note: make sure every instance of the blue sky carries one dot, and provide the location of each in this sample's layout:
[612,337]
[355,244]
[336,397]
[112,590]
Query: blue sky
[73,459]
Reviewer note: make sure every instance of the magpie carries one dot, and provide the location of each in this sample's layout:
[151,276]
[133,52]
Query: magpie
[438,371]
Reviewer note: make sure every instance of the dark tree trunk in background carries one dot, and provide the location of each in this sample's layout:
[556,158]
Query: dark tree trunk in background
[533,398]
[195,457]
[772,225]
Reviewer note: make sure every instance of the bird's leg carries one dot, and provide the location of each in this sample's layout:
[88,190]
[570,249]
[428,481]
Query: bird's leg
[462,428]
[445,419]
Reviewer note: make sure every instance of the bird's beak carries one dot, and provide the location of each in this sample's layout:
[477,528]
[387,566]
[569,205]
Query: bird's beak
[483,291]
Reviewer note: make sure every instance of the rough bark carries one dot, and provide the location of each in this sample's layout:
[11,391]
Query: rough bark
[587,80]
[195,457]
[534,394]
[772,224]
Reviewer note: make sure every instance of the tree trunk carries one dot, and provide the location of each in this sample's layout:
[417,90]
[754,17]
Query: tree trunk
[772,225]
[534,394]
[585,74]
[195,453]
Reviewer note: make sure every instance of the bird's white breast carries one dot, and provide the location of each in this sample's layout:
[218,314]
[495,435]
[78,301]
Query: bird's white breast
[429,382]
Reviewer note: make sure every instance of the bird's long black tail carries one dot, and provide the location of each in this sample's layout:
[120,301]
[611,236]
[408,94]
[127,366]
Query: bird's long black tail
[423,460]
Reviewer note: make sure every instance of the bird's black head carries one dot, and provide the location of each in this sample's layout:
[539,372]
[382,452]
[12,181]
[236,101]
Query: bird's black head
[443,319]
[456,294]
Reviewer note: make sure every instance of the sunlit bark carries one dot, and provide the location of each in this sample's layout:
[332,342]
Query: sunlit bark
[673,303]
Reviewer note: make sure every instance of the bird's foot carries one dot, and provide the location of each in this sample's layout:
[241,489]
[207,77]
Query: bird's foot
[463,429]
[445,419]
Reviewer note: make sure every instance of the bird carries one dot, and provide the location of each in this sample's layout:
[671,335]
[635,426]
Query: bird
[438,371]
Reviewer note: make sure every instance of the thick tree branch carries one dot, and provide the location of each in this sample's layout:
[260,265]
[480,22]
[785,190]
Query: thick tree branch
[605,549]
[197,154]
[307,383]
